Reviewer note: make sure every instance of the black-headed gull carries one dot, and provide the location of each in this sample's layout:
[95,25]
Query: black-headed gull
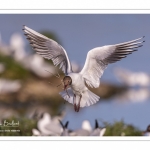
[98,131]
[66,131]
[147,132]
[47,126]
[96,62]
[131,78]
[84,131]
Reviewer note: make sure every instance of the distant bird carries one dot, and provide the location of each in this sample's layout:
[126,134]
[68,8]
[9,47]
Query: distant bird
[87,130]
[46,126]
[17,45]
[98,131]
[36,132]
[96,62]
[38,66]
[33,62]
[86,125]
[36,111]
[130,78]
[134,95]
[9,86]
[84,131]
[4,49]
[66,131]
[147,132]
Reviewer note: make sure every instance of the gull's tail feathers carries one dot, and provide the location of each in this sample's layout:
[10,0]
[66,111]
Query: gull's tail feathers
[65,96]
[88,97]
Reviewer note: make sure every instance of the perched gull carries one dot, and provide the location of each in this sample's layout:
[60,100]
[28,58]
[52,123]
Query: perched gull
[98,131]
[134,95]
[130,78]
[47,126]
[38,66]
[147,132]
[36,132]
[18,46]
[65,131]
[96,62]
[85,129]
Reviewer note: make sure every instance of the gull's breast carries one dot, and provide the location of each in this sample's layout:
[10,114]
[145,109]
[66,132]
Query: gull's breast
[77,85]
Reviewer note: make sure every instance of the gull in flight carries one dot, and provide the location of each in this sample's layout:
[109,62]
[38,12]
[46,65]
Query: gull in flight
[75,89]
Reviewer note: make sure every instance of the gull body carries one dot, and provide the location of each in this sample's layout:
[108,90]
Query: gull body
[84,131]
[47,127]
[79,94]
[98,131]
[96,62]
[65,131]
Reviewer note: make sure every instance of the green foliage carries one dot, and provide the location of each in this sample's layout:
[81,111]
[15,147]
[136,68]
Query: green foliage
[121,129]
[25,127]
[13,69]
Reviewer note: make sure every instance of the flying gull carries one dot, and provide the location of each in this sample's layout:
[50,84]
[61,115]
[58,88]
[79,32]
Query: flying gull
[75,89]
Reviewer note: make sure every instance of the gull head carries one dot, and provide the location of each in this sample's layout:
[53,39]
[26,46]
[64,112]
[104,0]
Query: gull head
[67,82]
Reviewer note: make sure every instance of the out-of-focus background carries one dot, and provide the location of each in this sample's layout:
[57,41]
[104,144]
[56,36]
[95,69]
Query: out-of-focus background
[25,91]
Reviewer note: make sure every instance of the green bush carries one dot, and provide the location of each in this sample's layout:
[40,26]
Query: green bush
[13,69]
[119,128]
[24,129]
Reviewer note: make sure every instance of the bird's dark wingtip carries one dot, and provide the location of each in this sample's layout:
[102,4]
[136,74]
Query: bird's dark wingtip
[61,123]
[66,125]
[96,124]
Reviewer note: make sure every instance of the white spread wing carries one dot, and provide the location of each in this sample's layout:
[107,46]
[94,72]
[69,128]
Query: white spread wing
[98,59]
[49,49]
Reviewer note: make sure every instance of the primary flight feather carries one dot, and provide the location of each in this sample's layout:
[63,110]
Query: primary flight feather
[96,62]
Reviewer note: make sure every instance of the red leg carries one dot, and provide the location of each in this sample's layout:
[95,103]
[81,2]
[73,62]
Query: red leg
[78,107]
[75,106]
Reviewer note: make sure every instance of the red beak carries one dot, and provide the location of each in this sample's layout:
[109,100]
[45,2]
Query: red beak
[65,86]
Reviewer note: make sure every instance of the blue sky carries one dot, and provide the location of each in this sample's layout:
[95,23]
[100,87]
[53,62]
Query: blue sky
[79,33]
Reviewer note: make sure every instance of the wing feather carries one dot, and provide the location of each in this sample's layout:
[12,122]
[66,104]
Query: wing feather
[49,49]
[98,59]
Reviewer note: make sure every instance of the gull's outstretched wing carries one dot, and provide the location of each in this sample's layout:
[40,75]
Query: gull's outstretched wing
[98,59]
[49,49]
